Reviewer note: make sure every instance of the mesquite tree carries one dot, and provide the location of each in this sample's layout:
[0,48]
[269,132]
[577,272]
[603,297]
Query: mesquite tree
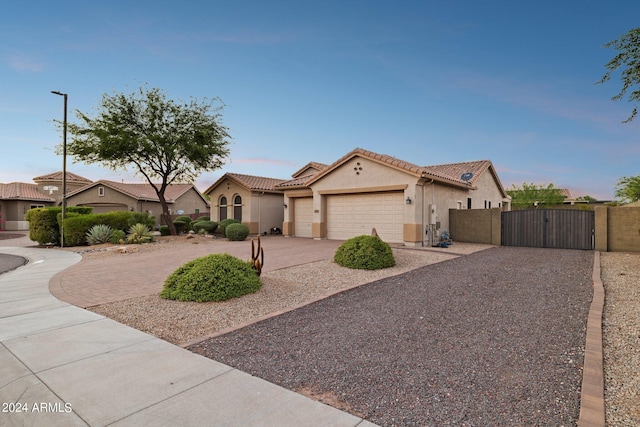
[165,141]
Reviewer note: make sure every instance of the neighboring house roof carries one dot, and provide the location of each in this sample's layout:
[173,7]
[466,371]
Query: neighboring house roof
[141,191]
[57,176]
[249,182]
[23,191]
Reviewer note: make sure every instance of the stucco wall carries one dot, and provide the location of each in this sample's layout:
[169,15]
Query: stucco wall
[268,211]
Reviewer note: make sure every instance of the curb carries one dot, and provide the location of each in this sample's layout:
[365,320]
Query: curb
[592,407]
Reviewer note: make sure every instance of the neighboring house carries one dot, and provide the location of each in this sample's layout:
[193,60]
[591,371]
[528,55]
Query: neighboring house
[250,199]
[404,202]
[51,184]
[16,199]
[105,196]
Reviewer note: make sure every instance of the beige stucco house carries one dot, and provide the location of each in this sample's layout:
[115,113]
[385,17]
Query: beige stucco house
[17,198]
[105,196]
[250,199]
[404,202]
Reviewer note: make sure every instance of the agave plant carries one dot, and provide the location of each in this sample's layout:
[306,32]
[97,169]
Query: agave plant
[99,233]
[139,233]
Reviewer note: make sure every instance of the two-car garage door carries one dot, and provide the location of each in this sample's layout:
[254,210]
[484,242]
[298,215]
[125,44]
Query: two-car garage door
[350,215]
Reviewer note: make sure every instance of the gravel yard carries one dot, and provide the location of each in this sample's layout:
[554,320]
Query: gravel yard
[621,337]
[492,338]
[502,379]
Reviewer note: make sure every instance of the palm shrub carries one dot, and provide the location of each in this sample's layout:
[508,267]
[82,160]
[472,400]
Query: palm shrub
[236,232]
[364,253]
[215,277]
[99,233]
[139,233]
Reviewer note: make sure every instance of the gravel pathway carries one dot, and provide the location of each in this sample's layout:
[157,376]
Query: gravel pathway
[492,338]
[621,337]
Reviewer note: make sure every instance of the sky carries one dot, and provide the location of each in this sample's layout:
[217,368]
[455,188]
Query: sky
[429,82]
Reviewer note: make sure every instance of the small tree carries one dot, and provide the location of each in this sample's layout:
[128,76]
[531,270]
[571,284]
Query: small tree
[627,59]
[530,195]
[628,189]
[161,139]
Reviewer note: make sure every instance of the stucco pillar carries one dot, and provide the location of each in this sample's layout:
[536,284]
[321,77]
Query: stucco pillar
[601,228]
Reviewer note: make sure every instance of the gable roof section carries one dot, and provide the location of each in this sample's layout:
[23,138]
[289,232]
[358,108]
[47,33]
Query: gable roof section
[142,192]
[311,165]
[447,173]
[23,191]
[249,182]
[57,176]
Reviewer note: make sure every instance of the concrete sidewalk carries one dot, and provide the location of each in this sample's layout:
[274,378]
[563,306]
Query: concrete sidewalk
[61,365]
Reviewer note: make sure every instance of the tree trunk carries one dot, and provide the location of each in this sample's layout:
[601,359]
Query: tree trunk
[165,209]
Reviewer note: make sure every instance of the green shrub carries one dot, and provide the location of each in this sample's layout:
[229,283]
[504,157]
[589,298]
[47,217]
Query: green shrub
[76,229]
[118,237]
[215,277]
[225,222]
[100,233]
[180,226]
[164,230]
[209,227]
[139,233]
[236,232]
[43,225]
[203,218]
[364,253]
[186,219]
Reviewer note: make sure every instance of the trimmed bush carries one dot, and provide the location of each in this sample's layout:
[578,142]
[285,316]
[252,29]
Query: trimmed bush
[209,227]
[225,222]
[216,277]
[44,223]
[100,233]
[164,230]
[237,232]
[364,253]
[76,229]
[181,226]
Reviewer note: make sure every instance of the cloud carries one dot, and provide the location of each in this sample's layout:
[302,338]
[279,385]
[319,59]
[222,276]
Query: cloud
[24,63]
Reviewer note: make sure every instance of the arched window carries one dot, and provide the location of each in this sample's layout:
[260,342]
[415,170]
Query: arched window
[237,208]
[222,208]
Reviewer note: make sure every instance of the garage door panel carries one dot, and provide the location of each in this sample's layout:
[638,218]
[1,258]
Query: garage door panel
[303,216]
[353,215]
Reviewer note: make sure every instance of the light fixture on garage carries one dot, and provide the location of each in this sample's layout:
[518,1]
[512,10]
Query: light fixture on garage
[408,201]
[285,205]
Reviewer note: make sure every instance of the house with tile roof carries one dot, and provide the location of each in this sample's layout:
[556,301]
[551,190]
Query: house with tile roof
[404,202]
[103,196]
[106,196]
[253,200]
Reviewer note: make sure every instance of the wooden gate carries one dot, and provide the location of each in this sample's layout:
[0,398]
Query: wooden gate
[549,228]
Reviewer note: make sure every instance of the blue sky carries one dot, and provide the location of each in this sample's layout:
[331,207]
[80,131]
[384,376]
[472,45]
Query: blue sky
[429,82]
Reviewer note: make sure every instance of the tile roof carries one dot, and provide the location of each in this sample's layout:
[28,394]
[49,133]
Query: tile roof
[57,176]
[140,191]
[300,181]
[315,165]
[23,191]
[454,171]
[255,182]
[249,182]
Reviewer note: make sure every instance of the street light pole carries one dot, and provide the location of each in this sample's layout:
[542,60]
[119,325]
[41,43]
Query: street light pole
[64,166]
